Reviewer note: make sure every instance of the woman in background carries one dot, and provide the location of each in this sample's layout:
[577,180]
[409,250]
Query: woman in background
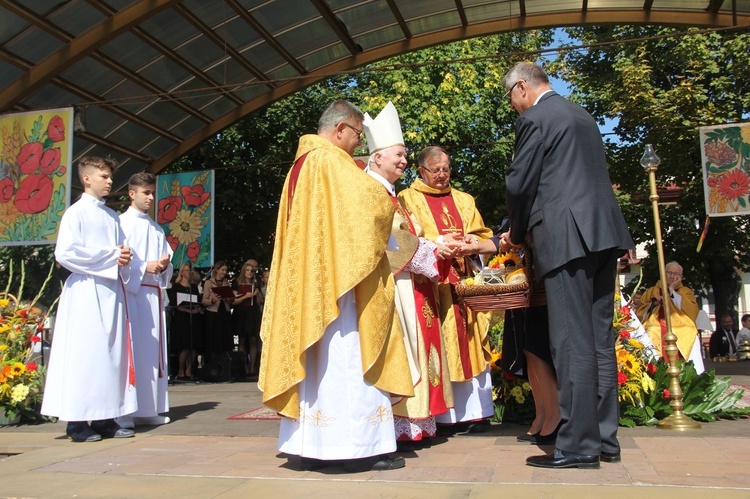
[186,328]
[246,315]
[218,313]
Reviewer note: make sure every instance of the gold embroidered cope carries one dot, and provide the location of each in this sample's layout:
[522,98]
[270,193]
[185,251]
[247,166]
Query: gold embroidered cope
[305,284]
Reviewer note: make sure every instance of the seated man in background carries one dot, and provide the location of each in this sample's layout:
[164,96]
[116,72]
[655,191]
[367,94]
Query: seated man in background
[683,311]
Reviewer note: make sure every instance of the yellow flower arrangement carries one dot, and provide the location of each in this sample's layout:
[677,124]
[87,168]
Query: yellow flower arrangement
[21,379]
[634,365]
[509,260]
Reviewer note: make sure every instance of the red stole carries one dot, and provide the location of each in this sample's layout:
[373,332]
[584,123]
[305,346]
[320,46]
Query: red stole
[293,176]
[449,224]
[429,323]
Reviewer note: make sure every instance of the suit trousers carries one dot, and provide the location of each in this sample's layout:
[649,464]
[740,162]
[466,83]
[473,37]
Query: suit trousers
[580,300]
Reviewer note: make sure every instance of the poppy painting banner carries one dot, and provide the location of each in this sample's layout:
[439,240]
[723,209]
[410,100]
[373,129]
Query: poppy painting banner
[185,211]
[725,154]
[36,152]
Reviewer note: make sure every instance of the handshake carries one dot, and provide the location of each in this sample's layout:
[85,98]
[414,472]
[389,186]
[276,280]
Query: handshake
[457,246]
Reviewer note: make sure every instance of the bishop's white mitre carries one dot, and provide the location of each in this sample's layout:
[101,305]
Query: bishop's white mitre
[384,131]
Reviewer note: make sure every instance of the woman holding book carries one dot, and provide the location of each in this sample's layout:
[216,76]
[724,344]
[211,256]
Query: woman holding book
[186,327]
[217,298]
[246,315]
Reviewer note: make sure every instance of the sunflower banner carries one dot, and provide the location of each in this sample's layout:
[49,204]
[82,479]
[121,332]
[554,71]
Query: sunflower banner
[725,154]
[36,151]
[185,210]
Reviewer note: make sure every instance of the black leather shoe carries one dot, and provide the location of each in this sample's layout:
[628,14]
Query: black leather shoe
[610,457]
[478,426]
[310,463]
[109,429]
[527,437]
[405,446]
[445,431]
[80,431]
[560,459]
[375,463]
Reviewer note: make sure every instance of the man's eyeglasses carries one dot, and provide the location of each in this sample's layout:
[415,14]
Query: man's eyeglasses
[438,170]
[675,274]
[361,133]
[507,94]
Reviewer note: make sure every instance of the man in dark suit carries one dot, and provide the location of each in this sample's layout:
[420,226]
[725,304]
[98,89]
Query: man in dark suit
[723,340]
[560,199]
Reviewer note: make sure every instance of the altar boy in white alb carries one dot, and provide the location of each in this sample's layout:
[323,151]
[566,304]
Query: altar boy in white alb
[91,376]
[150,273]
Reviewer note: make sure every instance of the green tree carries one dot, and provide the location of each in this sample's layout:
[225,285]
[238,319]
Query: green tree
[661,90]
[455,104]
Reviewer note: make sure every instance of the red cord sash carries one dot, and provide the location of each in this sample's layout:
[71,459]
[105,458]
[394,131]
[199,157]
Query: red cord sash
[128,337]
[162,367]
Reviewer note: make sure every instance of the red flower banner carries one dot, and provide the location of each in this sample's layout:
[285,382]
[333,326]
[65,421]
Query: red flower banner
[725,154]
[185,210]
[36,150]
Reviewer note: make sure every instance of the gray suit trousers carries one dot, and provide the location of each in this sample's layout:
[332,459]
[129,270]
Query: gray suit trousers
[580,299]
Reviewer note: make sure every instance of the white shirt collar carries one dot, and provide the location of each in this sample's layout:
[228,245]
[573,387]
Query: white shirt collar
[542,95]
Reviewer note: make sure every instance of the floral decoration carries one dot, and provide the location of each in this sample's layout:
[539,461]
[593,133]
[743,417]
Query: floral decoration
[506,260]
[726,168]
[21,379]
[184,212]
[33,176]
[643,383]
[511,394]
[634,361]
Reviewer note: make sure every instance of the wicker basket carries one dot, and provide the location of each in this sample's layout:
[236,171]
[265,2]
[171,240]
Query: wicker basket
[504,296]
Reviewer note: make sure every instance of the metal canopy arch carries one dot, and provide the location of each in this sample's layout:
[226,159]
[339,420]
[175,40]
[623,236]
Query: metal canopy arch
[158,77]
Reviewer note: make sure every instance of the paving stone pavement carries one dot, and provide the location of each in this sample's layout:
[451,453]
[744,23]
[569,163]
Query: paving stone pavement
[203,454]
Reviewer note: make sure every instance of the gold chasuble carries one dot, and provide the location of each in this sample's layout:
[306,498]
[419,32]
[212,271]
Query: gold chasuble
[447,212]
[682,320]
[331,237]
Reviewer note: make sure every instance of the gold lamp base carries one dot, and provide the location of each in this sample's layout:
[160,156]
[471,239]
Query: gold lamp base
[679,422]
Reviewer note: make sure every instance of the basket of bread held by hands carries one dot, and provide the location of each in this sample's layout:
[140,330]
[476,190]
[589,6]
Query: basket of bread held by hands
[506,283]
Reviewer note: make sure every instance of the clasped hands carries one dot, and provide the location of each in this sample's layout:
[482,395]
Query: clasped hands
[152,267]
[458,246]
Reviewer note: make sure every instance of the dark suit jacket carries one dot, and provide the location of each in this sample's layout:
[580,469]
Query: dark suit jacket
[719,343]
[558,186]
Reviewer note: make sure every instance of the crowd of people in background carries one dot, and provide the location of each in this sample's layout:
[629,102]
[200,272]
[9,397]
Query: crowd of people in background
[204,325]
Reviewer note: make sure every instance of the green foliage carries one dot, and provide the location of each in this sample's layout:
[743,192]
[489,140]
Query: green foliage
[662,91]
[705,398]
[37,261]
[457,105]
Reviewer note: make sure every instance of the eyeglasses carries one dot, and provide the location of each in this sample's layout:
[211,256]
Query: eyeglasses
[361,133]
[439,170]
[675,274]
[507,94]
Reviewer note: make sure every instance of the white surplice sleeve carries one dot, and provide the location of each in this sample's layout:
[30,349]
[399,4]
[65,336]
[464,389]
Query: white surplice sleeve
[424,261]
[87,241]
